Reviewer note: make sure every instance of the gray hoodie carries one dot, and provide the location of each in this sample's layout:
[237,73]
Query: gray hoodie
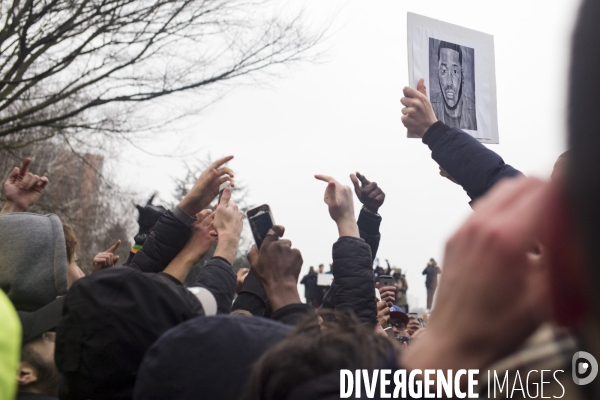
[33,259]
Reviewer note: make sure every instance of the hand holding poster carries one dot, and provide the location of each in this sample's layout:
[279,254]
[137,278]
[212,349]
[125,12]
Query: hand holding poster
[458,67]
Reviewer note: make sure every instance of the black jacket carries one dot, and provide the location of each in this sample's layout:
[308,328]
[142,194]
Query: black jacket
[353,288]
[475,167]
[166,240]
[368,226]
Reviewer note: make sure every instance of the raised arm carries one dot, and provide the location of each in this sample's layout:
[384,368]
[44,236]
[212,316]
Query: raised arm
[462,158]
[173,229]
[372,198]
[352,260]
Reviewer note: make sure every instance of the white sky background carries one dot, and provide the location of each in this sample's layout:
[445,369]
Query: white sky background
[343,115]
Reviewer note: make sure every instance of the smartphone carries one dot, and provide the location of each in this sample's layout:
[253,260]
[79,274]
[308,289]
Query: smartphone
[385,280]
[261,220]
[222,187]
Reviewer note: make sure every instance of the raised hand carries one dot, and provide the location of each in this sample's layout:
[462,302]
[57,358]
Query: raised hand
[368,193]
[22,188]
[228,224]
[338,198]
[277,267]
[383,313]
[201,240]
[241,276]
[106,259]
[388,294]
[413,325]
[417,115]
[206,187]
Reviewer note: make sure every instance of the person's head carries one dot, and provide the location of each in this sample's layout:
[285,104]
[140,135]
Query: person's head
[105,331]
[398,320]
[311,270]
[33,259]
[321,268]
[573,230]
[37,371]
[450,72]
[307,363]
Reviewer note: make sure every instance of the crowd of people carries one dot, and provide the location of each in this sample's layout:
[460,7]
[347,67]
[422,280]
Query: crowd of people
[519,291]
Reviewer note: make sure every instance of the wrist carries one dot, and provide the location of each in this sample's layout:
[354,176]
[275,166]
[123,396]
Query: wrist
[348,227]
[189,206]
[281,294]
[372,210]
[227,247]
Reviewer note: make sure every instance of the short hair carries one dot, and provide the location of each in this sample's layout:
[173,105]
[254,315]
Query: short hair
[316,350]
[70,241]
[583,168]
[451,46]
[48,377]
[241,312]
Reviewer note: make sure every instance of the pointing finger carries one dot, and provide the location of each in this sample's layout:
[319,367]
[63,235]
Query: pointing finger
[114,247]
[354,180]
[220,162]
[363,179]
[225,197]
[325,178]
[25,166]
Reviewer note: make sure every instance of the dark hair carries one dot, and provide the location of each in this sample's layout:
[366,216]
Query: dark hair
[583,168]
[70,241]
[315,350]
[451,46]
[48,377]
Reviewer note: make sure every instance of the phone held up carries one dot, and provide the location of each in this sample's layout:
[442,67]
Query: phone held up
[385,280]
[261,220]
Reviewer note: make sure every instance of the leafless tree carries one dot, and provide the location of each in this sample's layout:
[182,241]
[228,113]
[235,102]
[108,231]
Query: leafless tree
[74,68]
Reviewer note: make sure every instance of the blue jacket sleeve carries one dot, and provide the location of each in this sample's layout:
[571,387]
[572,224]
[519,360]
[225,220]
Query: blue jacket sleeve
[475,167]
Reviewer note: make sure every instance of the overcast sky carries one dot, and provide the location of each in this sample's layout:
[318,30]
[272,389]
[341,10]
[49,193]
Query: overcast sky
[343,115]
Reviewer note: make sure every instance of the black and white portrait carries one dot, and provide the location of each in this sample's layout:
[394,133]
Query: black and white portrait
[452,84]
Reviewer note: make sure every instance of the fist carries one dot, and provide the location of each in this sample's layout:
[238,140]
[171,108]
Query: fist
[277,264]
[417,115]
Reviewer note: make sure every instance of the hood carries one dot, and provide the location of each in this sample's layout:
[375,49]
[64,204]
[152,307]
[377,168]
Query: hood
[33,259]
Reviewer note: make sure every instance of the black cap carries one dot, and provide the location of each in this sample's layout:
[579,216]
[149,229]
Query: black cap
[206,358]
[149,214]
[110,319]
[42,320]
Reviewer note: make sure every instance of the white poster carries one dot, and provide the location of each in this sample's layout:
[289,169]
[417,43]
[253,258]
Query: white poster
[324,279]
[459,69]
